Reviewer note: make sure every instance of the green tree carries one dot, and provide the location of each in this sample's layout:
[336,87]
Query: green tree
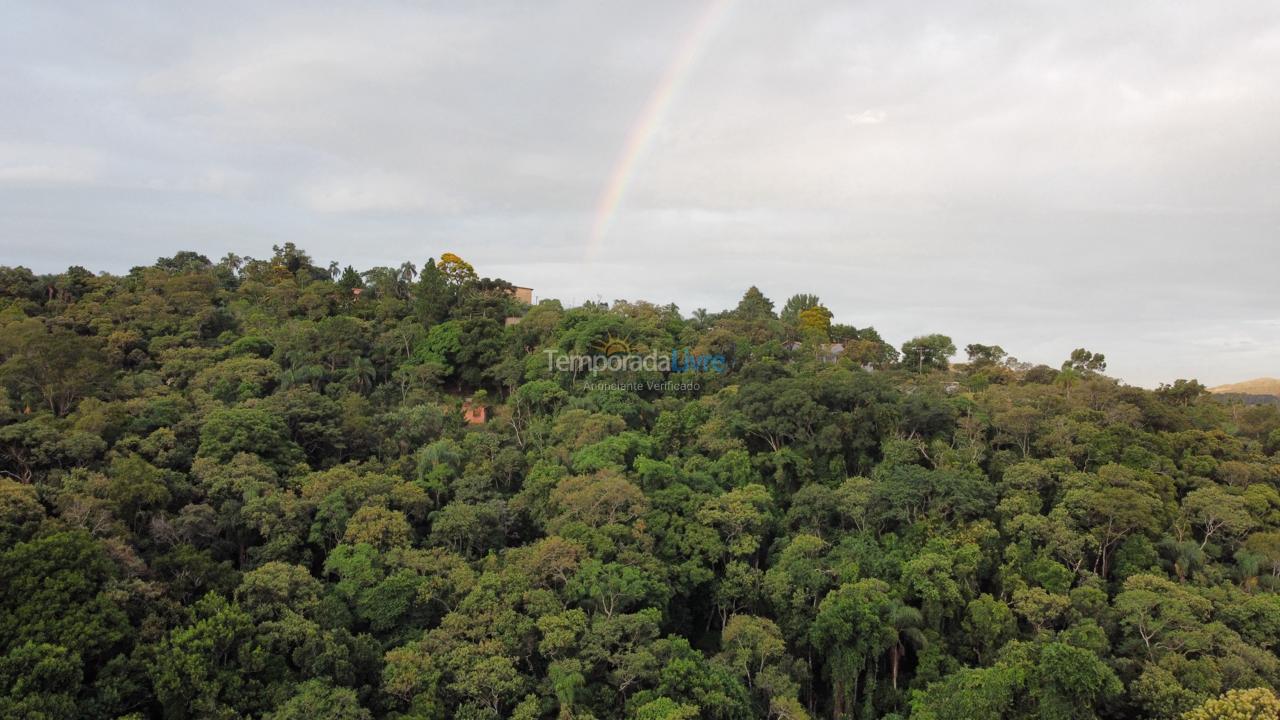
[797,304]
[40,680]
[754,305]
[1251,704]
[57,590]
[456,271]
[1085,362]
[751,646]
[981,356]
[928,352]
[198,671]
[248,430]
[989,623]
[816,322]
[51,365]
[317,699]
[1181,392]
[850,631]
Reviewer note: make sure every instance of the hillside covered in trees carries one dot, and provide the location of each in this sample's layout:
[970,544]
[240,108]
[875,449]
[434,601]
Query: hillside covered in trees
[247,488]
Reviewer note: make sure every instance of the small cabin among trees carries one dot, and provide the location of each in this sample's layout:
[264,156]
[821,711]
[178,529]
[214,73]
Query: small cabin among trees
[474,413]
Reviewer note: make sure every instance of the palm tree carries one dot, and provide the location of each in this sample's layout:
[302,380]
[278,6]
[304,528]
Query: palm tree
[1186,556]
[1248,568]
[301,375]
[901,627]
[361,374]
[408,271]
[232,262]
[1067,378]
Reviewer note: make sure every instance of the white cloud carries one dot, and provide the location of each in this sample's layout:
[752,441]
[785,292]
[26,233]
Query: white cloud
[866,117]
[370,191]
[1021,174]
[41,165]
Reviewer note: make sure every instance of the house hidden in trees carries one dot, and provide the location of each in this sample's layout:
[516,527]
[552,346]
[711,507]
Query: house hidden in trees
[826,352]
[474,413]
[521,294]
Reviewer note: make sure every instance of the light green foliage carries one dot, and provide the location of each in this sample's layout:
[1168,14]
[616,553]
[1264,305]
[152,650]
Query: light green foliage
[20,512]
[238,378]
[741,516]
[275,589]
[797,304]
[39,680]
[989,623]
[382,528]
[318,700]
[1251,704]
[441,346]
[666,709]
[50,367]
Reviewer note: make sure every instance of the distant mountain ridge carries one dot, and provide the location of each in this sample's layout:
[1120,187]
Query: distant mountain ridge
[1257,386]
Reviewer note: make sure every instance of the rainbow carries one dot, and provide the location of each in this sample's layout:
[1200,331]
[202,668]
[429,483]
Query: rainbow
[650,119]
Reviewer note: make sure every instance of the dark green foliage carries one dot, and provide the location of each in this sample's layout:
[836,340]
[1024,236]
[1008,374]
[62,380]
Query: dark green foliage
[248,430]
[249,489]
[57,590]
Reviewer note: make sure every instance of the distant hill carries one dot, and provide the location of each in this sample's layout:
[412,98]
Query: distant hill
[1257,386]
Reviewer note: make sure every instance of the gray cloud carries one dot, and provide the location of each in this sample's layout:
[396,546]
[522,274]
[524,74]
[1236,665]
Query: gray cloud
[1041,175]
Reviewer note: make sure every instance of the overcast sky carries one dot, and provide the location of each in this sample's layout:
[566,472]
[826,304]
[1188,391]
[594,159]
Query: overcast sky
[1046,176]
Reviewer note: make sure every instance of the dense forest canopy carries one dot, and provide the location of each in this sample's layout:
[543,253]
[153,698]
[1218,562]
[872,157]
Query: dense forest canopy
[247,488]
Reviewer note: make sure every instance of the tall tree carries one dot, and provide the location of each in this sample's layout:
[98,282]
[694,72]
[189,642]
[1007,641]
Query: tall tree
[928,352]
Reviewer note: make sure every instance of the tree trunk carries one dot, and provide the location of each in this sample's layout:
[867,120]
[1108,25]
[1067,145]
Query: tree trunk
[895,655]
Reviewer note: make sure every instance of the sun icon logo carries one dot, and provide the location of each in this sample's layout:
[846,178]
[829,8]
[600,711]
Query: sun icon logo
[613,345]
